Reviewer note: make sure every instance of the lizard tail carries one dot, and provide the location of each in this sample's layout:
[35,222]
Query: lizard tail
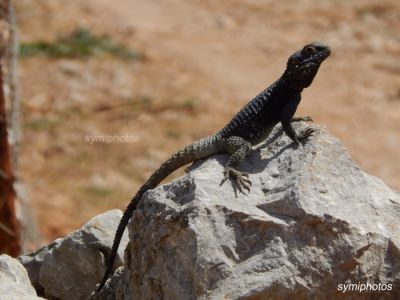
[198,150]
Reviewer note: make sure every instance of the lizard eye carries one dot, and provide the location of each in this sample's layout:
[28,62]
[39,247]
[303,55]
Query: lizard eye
[309,49]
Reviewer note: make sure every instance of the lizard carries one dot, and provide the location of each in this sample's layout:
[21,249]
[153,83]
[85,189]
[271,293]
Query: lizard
[250,126]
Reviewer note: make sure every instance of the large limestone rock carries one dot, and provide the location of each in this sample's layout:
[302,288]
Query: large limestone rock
[313,222]
[14,281]
[70,267]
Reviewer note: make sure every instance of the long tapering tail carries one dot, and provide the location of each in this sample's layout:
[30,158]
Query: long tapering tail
[198,150]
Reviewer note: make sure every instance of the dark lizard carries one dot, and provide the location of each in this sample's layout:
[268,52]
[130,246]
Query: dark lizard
[250,126]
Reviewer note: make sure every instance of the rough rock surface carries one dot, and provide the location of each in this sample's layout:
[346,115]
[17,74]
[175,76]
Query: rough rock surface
[71,267]
[33,263]
[116,287]
[14,281]
[313,220]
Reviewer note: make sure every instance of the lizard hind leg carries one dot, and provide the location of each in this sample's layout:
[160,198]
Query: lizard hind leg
[238,148]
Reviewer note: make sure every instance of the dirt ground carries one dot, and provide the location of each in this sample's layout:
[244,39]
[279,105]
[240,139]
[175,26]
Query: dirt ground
[202,61]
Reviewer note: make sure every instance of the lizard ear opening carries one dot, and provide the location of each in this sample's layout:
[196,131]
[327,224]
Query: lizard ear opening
[294,60]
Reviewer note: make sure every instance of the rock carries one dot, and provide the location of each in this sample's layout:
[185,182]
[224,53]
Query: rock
[33,263]
[115,287]
[313,222]
[72,266]
[14,281]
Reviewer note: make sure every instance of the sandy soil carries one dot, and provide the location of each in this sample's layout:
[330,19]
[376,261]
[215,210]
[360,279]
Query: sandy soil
[203,61]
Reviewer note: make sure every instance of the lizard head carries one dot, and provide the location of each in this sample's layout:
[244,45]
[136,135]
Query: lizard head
[303,65]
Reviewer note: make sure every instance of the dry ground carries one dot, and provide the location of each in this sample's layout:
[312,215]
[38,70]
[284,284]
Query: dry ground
[203,60]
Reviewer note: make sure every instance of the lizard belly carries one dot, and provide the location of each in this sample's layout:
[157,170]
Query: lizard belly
[257,136]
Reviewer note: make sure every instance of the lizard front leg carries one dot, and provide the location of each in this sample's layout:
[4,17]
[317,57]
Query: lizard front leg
[238,148]
[287,119]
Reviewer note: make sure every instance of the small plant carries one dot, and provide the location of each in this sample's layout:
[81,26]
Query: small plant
[173,134]
[81,43]
[97,191]
[189,104]
[39,124]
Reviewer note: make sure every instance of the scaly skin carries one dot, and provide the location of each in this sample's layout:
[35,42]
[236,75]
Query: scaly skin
[251,125]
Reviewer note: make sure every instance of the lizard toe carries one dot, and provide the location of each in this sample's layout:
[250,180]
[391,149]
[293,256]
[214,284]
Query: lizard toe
[240,180]
[307,119]
[309,131]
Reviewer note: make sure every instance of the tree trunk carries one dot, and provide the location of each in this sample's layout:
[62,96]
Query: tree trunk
[9,226]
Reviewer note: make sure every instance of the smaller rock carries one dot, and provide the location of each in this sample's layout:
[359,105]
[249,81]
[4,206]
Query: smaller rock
[70,268]
[14,280]
[33,263]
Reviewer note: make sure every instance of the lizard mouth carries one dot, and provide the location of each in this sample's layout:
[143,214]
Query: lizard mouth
[325,54]
[318,57]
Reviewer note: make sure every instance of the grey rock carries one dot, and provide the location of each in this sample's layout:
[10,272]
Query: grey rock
[14,281]
[115,288]
[74,265]
[312,221]
[33,264]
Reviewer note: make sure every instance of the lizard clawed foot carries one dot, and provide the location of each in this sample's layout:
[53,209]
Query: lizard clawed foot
[307,119]
[303,119]
[309,131]
[240,181]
